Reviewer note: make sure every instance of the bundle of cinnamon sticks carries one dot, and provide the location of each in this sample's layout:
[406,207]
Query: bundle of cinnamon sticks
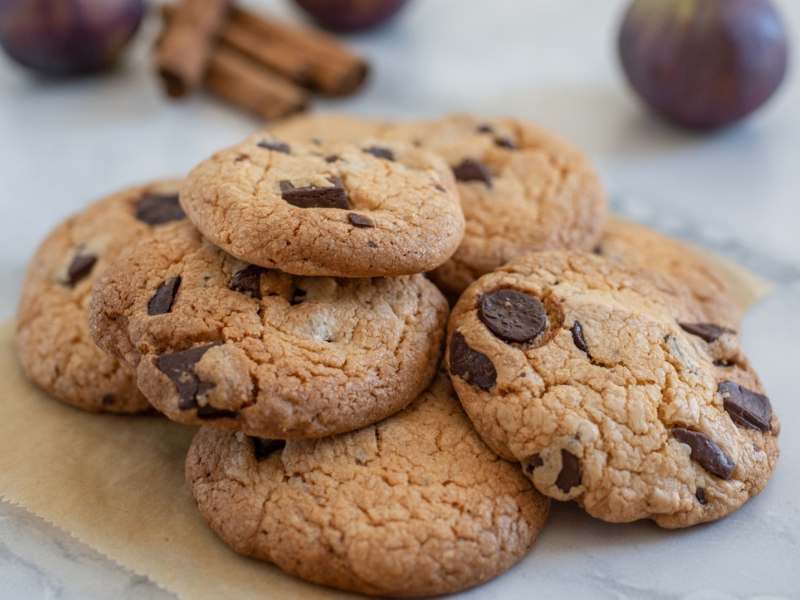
[264,66]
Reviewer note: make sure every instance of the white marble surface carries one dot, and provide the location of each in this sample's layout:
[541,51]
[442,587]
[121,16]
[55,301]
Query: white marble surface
[551,60]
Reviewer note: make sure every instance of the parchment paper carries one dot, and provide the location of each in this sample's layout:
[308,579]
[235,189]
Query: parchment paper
[116,483]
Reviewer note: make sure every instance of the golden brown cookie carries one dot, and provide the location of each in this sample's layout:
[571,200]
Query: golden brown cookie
[580,369]
[522,190]
[214,340]
[415,505]
[52,333]
[675,268]
[327,209]
[329,127]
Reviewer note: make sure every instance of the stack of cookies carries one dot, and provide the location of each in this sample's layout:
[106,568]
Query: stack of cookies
[290,296]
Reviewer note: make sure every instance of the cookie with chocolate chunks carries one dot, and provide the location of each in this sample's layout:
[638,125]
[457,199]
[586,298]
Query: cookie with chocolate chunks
[585,372]
[678,270]
[415,505]
[320,127]
[52,331]
[327,208]
[217,341]
[522,190]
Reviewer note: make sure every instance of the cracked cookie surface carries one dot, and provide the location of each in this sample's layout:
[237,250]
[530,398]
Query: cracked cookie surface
[522,190]
[415,505]
[675,268]
[580,369]
[218,341]
[339,209]
[52,330]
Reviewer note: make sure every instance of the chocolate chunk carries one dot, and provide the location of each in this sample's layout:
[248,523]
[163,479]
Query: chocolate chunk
[209,413]
[157,209]
[240,157]
[700,494]
[570,475]
[162,300]
[472,170]
[505,142]
[746,407]
[263,447]
[512,316]
[472,366]
[80,267]
[298,296]
[707,331]
[724,363]
[598,249]
[501,141]
[275,145]
[380,152]
[440,187]
[312,196]
[532,463]
[578,339]
[179,367]
[247,281]
[331,158]
[705,451]
[358,220]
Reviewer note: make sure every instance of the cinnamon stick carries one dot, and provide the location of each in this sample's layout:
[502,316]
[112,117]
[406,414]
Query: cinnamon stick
[185,46]
[270,53]
[304,55]
[248,85]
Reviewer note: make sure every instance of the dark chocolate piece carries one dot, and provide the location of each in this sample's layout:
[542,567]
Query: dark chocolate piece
[472,366]
[162,301]
[512,316]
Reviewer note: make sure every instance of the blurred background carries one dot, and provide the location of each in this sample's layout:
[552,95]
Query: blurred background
[65,142]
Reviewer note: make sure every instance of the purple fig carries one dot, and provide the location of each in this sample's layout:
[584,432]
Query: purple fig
[703,63]
[67,37]
[351,15]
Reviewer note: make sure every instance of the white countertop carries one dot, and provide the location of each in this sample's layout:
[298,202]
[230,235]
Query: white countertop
[550,60]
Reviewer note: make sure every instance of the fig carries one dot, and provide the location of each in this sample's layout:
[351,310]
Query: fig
[351,15]
[67,37]
[703,64]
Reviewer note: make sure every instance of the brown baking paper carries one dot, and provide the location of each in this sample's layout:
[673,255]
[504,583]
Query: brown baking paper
[116,484]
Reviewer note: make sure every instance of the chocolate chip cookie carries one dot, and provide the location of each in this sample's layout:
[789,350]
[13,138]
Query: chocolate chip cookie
[522,190]
[580,369]
[331,127]
[416,505]
[674,268]
[52,332]
[215,340]
[327,209]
